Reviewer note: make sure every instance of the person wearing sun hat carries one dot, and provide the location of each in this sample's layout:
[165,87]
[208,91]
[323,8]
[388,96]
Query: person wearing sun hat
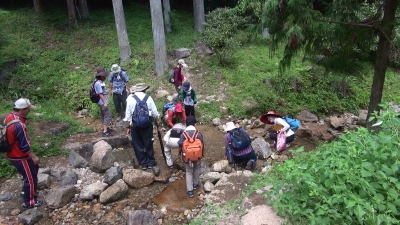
[142,137]
[178,76]
[175,113]
[119,83]
[280,125]
[246,156]
[21,155]
[101,90]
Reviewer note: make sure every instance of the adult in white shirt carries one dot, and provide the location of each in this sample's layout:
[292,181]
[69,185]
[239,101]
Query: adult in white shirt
[281,125]
[142,137]
[171,139]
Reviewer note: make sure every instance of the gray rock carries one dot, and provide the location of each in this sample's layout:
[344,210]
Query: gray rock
[201,47]
[91,191]
[204,169]
[43,181]
[261,214]
[102,158]
[59,197]
[114,193]
[216,121]
[212,177]
[262,148]
[180,53]
[68,177]
[137,178]
[161,93]
[76,160]
[362,117]
[30,216]
[307,116]
[208,187]
[112,175]
[337,122]
[5,197]
[141,217]
[45,170]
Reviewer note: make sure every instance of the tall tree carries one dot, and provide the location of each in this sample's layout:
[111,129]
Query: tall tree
[123,41]
[82,5]
[160,49]
[38,6]
[167,20]
[199,18]
[339,30]
[71,12]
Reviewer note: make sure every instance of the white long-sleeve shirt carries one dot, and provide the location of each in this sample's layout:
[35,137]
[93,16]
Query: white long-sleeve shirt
[286,126]
[131,103]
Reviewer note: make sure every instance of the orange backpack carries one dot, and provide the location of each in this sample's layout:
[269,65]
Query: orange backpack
[192,147]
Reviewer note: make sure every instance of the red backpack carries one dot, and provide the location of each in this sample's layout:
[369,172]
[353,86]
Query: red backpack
[192,147]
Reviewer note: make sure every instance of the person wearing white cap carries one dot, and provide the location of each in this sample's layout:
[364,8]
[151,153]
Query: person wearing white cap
[21,155]
[178,76]
[246,156]
[119,83]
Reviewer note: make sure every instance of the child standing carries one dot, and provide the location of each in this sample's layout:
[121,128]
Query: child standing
[192,167]
[189,98]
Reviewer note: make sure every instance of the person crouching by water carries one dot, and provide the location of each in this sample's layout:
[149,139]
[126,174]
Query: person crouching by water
[280,125]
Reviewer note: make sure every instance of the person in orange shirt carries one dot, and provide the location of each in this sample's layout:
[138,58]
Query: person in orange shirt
[21,155]
[176,113]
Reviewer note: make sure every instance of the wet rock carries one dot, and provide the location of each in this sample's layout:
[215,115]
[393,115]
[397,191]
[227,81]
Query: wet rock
[59,197]
[262,148]
[137,178]
[102,158]
[180,53]
[77,161]
[112,175]
[91,191]
[307,116]
[114,193]
[30,216]
[141,217]
[43,181]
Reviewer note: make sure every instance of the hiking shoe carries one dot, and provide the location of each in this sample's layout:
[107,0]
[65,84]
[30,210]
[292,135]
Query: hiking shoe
[196,186]
[156,170]
[38,203]
[287,145]
[107,133]
[190,194]
[251,164]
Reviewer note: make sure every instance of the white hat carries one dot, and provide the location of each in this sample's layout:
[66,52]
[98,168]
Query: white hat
[229,126]
[115,68]
[23,103]
[182,62]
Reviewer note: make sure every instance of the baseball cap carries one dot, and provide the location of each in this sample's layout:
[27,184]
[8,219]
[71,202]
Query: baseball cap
[178,108]
[23,103]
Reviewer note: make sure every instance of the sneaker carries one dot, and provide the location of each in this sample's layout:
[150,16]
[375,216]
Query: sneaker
[171,167]
[190,194]
[144,167]
[251,164]
[156,170]
[38,203]
[287,145]
[196,186]
[107,133]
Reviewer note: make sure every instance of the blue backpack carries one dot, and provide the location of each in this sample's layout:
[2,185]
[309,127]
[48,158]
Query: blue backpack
[293,123]
[240,139]
[166,106]
[141,117]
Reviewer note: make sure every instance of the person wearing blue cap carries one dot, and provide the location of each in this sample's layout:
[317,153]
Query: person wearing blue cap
[188,95]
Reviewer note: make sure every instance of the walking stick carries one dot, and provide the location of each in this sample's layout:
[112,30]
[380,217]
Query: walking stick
[161,142]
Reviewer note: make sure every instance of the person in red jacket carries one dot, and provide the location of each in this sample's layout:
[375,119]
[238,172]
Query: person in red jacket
[178,76]
[21,155]
[176,113]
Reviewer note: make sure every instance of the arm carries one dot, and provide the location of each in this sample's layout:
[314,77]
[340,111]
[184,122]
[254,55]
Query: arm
[183,115]
[194,96]
[23,141]
[176,74]
[153,108]
[282,122]
[170,116]
[227,142]
[103,98]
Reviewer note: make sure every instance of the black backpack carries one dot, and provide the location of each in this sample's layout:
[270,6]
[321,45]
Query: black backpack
[4,145]
[94,97]
[141,116]
[240,139]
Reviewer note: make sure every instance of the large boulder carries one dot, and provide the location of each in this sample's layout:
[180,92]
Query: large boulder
[114,193]
[180,53]
[76,160]
[262,148]
[306,116]
[91,191]
[137,178]
[102,158]
[60,196]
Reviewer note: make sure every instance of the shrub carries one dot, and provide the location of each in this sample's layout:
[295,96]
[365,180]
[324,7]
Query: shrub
[351,181]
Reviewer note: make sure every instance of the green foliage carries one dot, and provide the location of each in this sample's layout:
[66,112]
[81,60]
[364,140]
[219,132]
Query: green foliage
[351,181]
[220,32]
[6,168]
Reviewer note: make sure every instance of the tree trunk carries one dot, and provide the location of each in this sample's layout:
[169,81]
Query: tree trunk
[382,57]
[71,12]
[167,20]
[199,18]
[123,41]
[38,6]
[82,5]
[160,49]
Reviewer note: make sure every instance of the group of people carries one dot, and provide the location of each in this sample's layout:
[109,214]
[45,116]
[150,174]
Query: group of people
[27,163]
